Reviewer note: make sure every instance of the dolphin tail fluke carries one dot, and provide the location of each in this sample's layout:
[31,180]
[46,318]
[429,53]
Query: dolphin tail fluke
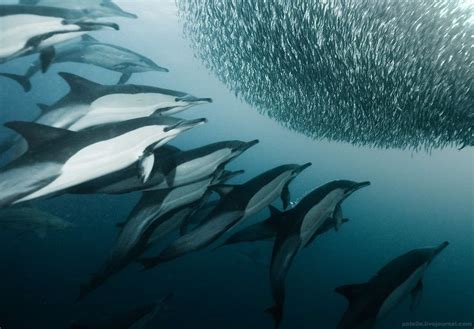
[277,314]
[23,81]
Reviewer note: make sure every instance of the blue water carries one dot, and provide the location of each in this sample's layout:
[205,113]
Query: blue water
[417,198]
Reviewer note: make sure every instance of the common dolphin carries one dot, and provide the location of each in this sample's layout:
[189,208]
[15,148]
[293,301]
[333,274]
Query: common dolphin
[297,228]
[370,301]
[90,8]
[88,50]
[170,169]
[90,104]
[156,214]
[58,159]
[238,202]
[32,29]
[29,219]
[267,229]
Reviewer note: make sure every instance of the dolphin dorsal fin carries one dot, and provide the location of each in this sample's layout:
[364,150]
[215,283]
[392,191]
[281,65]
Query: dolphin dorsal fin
[44,108]
[223,189]
[78,84]
[88,38]
[351,291]
[36,134]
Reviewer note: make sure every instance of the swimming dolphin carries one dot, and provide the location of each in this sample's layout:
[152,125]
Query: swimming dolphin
[29,219]
[90,8]
[90,104]
[32,29]
[297,228]
[170,169]
[238,202]
[91,51]
[150,220]
[267,229]
[141,317]
[370,301]
[58,159]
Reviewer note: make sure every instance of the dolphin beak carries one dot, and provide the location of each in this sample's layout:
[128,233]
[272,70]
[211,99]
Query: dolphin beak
[91,25]
[228,175]
[441,247]
[126,14]
[158,68]
[356,186]
[193,100]
[116,10]
[248,145]
[186,124]
[361,185]
[303,167]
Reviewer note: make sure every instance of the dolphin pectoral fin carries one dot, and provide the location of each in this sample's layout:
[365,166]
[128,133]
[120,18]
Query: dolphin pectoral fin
[124,78]
[46,57]
[285,197]
[222,189]
[20,79]
[351,291]
[145,165]
[416,295]
[338,217]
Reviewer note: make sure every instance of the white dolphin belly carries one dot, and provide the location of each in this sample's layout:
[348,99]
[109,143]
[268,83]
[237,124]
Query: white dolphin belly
[122,107]
[267,194]
[401,291]
[100,159]
[316,216]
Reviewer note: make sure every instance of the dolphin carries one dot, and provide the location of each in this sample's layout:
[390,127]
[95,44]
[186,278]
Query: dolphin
[238,202]
[156,214]
[58,159]
[91,51]
[141,317]
[31,29]
[267,229]
[90,104]
[24,219]
[91,8]
[170,169]
[297,228]
[403,276]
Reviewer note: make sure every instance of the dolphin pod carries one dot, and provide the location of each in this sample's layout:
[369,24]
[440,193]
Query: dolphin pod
[115,139]
[237,203]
